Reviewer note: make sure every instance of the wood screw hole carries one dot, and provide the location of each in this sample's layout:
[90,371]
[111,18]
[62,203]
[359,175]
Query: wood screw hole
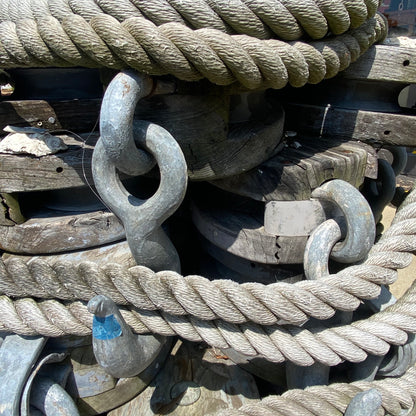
[406,62]
[59,169]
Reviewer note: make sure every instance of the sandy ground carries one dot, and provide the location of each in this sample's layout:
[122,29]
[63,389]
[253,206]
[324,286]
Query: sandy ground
[407,275]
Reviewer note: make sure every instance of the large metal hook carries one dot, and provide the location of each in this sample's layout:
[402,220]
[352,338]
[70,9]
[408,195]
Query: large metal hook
[116,122]
[142,219]
[116,150]
[116,119]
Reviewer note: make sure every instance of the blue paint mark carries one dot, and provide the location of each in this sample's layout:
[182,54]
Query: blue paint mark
[106,328]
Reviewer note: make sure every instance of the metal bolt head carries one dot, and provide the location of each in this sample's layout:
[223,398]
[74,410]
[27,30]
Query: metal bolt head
[187,392]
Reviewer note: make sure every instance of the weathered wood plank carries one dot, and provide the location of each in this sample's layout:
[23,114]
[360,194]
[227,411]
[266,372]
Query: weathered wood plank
[220,264]
[243,235]
[209,153]
[213,146]
[20,173]
[111,253]
[73,115]
[295,172]
[368,126]
[385,63]
[52,232]
[193,382]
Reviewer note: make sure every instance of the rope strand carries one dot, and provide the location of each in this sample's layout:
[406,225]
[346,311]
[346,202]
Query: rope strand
[173,48]
[284,19]
[302,346]
[398,394]
[222,299]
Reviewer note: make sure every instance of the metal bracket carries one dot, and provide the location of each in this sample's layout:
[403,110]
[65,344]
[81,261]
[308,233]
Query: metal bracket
[18,355]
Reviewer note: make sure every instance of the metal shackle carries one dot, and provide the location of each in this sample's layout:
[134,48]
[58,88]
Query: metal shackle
[361,229]
[142,219]
[366,403]
[400,157]
[116,122]
[381,191]
[315,264]
[318,249]
[399,359]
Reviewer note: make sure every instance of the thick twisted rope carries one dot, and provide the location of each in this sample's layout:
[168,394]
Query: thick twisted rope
[329,346]
[173,48]
[302,346]
[263,19]
[227,325]
[194,295]
[202,299]
[398,394]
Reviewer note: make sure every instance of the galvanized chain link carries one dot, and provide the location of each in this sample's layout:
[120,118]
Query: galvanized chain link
[116,123]
[360,226]
[319,247]
[359,230]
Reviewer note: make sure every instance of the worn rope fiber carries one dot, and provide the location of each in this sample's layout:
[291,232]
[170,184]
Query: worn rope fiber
[175,49]
[205,300]
[302,346]
[276,343]
[398,394]
[263,19]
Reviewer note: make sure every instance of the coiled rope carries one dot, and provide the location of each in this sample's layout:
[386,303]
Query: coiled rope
[397,394]
[248,320]
[36,38]
[284,19]
[202,299]
[224,42]
[329,346]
